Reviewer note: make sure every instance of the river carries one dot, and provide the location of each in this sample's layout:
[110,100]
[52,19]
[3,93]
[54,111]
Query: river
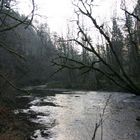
[74,115]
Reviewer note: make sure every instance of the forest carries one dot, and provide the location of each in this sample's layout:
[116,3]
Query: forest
[30,55]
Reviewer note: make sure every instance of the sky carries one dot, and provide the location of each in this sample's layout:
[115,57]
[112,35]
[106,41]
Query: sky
[58,13]
[55,12]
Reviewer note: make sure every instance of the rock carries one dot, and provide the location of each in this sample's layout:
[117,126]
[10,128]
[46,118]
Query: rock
[138,118]
[35,136]
[45,134]
[77,96]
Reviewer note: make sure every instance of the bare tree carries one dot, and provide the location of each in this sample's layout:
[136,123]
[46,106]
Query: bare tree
[10,20]
[120,78]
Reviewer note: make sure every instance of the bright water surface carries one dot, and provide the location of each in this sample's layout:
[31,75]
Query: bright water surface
[73,115]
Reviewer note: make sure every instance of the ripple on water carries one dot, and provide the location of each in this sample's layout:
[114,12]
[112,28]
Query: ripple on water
[78,112]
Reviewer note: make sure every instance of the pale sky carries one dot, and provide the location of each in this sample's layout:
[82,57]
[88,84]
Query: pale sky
[59,12]
[55,12]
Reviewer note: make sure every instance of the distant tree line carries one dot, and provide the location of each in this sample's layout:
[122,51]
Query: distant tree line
[32,56]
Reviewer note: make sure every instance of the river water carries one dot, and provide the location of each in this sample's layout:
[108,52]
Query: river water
[74,115]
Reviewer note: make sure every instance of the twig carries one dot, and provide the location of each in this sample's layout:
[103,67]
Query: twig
[11,51]
[100,123]
[11,84]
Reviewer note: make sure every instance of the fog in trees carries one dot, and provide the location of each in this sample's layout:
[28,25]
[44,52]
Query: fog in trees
[92,55]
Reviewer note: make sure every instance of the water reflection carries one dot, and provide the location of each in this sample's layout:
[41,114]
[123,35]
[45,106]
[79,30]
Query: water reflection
[73,116]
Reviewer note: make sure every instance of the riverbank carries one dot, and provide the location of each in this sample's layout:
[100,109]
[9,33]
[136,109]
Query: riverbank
[15,126]
[59,87]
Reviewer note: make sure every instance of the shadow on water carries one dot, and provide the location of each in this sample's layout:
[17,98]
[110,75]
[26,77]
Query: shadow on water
[72,115]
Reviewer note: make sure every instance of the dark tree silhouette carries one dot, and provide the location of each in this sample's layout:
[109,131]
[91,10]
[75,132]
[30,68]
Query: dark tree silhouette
[114,71]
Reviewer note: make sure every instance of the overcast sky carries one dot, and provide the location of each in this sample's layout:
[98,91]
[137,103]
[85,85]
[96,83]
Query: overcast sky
[59,12]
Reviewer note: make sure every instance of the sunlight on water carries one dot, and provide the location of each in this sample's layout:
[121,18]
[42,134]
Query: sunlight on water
[73,116]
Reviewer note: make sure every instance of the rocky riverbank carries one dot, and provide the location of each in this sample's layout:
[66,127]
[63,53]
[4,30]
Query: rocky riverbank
[15,126]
